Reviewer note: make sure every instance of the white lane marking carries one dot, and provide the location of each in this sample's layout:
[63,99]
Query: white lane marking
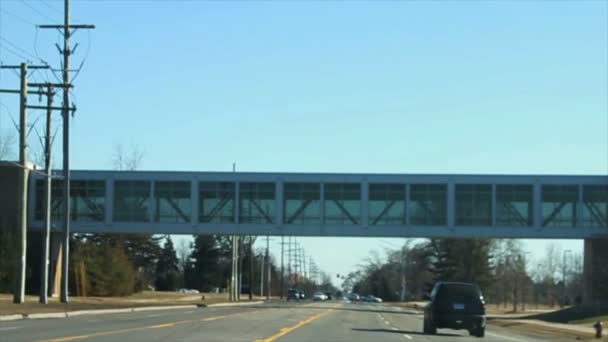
[155,315]
[93,320]
[506,337]
[188,312]
[8,328]
[386,322]
[408,336]
[393,328]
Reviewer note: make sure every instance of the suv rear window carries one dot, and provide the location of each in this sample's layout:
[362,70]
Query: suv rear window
[458,291]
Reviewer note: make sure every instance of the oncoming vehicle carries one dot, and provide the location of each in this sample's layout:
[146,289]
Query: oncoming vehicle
[456,306]
[319,296]
[293,294]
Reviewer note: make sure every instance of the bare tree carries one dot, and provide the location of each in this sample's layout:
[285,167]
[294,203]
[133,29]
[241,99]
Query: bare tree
[183,253]
[7,144]
[127,160]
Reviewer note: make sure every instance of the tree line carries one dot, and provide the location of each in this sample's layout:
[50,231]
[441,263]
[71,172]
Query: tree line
[500,267]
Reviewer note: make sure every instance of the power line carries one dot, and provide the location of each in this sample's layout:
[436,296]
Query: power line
[20,18]
[37,11]
[15,46]
[18,55]
[53,8]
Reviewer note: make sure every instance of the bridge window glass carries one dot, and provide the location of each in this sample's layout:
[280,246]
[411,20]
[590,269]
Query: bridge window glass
[172,201]
[56,199]
[514,205]
[87,200]
[559,205]
[473,204]
[595,206]
[216,202]
[428,204]
[386,204]
[131,201]
[302,203]
[257,203]
[342,204]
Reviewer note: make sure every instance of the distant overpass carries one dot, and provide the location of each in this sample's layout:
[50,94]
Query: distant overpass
[324,204]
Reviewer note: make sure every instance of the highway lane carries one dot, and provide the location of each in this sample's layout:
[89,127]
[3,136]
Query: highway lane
[277,321]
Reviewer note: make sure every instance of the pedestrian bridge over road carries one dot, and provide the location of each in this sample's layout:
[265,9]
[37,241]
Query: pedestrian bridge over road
[310,204]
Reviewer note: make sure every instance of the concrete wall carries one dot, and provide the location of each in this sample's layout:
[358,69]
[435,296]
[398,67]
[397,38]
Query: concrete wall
[596,273]
[9,195]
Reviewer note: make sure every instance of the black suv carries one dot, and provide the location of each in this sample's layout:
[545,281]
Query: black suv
[455,306]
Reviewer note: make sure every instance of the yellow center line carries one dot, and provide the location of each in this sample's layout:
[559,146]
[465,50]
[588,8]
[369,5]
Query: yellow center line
[156,326]
[286,330]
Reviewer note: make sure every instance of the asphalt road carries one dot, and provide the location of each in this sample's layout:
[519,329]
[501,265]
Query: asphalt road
[279,321]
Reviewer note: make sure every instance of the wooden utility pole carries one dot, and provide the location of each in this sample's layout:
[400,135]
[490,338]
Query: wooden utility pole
[251,267]
[19,291]
[282,265]
[68,30]
[44,279]
[19,296]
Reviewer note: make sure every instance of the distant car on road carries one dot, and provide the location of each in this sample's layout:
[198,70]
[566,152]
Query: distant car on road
[293,294]
[328,294]
[319,296]
[374,299]
[187,291]
[353,297]
[456,306]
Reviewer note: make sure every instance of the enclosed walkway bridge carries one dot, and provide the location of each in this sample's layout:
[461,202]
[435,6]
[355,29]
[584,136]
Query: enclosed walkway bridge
[310,204]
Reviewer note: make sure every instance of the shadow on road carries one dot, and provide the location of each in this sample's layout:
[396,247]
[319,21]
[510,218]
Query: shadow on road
[360,309]
[404,332]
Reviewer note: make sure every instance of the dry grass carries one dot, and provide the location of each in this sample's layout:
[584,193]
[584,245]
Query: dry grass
[146,298]
[542,330]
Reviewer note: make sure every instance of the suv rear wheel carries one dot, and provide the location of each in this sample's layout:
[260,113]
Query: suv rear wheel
[429,328]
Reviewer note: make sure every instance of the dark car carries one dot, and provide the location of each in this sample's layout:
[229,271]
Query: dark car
[293,294]
[328,294]
[455,306]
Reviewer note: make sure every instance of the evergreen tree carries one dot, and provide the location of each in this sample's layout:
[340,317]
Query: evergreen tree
[467,260]
[167,270]
[203,268]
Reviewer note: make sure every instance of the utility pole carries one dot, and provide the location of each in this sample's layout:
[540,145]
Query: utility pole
[289,261]
[262,277]
[240,272]
[44,279]
[268,267]
[251,267]
[19,294]
[282,266]
[303,261]
[20,291]
[68,30]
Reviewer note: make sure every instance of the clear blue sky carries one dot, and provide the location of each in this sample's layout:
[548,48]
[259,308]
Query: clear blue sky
[403,87]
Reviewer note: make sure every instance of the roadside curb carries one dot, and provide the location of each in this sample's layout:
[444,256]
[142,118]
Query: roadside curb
[166,307]
[218,305]
[10,317]
[114,311]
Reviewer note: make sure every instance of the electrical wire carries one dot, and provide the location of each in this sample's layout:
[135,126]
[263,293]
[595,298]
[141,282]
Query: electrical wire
[86,55]
[37,11]
[23,20]
[53,8]
[16,47]
[20,56]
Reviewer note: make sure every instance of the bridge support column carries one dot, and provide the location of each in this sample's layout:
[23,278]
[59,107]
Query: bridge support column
[55,264]
[595,272]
